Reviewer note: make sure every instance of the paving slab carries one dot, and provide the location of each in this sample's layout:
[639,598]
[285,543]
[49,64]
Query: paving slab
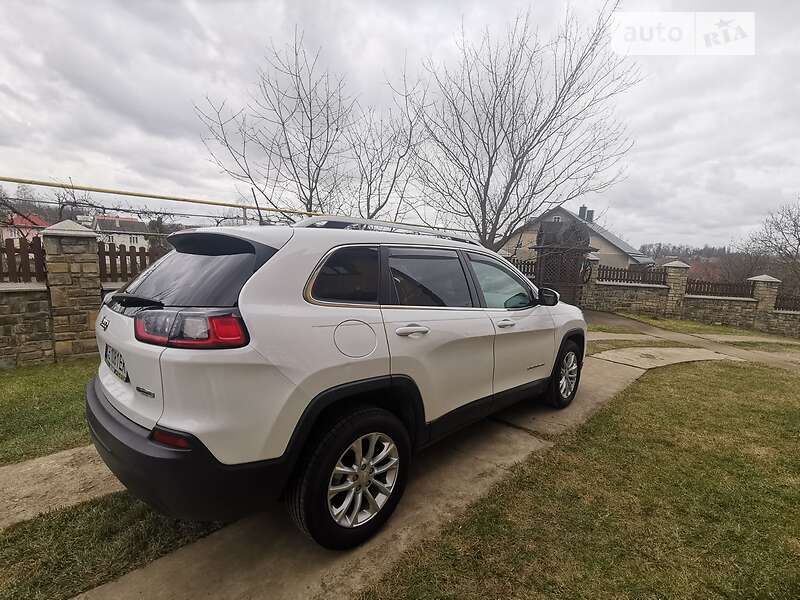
[602,335]
[264,556]
[650,358]
[775,359]
[600,381]
[35,486]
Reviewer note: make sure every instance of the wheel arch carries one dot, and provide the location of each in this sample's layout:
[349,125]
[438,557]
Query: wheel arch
[397,394]
[576,335]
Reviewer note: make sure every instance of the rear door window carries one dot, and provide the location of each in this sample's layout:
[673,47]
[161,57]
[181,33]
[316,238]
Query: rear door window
[427,277]
[349,275]
[202,272]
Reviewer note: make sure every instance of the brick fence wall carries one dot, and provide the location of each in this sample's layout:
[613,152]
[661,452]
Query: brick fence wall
[671,300]
[25,325]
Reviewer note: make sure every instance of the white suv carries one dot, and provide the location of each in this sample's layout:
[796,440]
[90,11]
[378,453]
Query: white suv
[311,362]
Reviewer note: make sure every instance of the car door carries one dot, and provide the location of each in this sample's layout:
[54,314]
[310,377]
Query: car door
[438,335]
[524,345]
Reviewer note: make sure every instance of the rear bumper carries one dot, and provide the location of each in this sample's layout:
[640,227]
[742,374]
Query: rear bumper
[186,484]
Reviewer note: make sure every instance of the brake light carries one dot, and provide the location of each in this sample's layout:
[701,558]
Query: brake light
[190,328]
[168,438]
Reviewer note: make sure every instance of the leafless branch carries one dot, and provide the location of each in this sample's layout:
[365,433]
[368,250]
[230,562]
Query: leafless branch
[519,126]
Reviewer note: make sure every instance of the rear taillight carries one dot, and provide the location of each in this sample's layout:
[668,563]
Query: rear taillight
[190,328]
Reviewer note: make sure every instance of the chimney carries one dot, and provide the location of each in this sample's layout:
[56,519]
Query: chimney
[582,212]
[590,216]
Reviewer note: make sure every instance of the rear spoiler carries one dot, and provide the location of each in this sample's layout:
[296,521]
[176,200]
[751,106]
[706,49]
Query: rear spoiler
[217,244]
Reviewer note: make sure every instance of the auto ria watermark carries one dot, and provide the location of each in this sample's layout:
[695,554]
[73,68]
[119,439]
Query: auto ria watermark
[684,33]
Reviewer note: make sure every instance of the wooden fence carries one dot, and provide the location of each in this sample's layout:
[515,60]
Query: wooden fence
[739,289]
[621,275]
[22,261]
[121,263]
[528,267]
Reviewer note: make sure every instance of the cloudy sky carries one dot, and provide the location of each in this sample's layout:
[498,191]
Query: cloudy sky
[103,93]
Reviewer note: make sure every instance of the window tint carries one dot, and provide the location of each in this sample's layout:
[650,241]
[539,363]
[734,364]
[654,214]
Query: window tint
[349,275]
[189,279]
[501,288]
[428,278]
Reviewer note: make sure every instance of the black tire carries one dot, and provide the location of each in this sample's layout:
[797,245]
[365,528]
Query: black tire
[307,494]
[553,395]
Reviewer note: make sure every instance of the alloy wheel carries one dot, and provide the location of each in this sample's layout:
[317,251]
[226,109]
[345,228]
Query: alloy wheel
[363,479]
[568,375]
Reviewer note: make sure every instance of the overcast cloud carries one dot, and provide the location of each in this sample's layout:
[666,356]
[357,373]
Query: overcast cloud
[103,92]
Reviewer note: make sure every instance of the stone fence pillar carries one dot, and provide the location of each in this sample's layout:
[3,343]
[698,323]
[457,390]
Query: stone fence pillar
[765,290]
[73,281]
[677,275]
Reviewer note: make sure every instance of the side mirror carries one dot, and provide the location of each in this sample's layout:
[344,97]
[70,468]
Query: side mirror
[548,297]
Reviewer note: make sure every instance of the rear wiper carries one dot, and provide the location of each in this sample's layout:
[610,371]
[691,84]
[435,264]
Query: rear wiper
[131,300]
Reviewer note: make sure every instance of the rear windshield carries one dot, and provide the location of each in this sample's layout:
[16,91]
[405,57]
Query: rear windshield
[183,279]
[203,270]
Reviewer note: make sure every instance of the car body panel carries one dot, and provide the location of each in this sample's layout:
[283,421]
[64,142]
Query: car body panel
[524,351]
[452,363]
[140,398]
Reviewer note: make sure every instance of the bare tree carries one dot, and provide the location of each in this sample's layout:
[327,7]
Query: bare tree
[70,202]
[779,237]
[520,125]
[381,151]
[288,143]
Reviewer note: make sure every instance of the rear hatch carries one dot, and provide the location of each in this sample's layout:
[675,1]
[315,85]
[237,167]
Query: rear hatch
[203,275]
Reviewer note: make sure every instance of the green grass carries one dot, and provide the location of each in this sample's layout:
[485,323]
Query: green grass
[686,326]
[65,552]
[611,329]
[767,346]
[596,346]
[685,486]
[41,409]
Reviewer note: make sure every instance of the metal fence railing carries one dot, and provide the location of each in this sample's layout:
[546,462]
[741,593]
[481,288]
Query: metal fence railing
[739,289]
[621,275]
[787,302]
[22,261]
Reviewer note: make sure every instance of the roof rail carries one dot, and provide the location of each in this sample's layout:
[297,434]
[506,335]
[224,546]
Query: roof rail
[337,222]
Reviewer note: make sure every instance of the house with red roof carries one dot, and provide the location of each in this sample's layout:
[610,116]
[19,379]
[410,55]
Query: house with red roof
[25,226]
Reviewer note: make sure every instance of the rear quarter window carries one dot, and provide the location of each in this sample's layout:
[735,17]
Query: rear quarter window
[348,275]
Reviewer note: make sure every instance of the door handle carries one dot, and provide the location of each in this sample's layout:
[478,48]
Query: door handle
[410,329]
[503,323]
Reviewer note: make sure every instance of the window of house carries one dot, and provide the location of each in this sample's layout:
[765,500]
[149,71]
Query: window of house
[134,239]
[427,277]
[349,275]
[557,219]
[501,288]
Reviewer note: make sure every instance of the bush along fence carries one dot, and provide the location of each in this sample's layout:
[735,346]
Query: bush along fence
[51,289]
[668,292]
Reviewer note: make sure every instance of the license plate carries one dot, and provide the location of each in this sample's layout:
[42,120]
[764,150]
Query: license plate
[116,363]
